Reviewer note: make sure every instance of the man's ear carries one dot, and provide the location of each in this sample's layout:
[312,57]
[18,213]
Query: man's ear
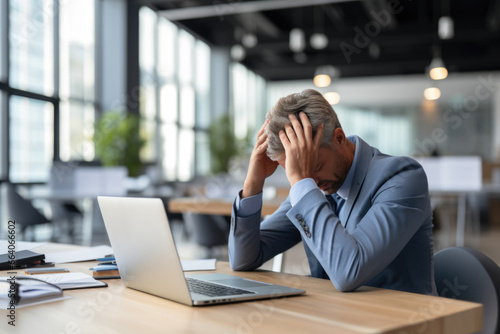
[338,136]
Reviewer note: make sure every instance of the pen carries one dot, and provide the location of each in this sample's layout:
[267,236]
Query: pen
[35,271]
[105,267]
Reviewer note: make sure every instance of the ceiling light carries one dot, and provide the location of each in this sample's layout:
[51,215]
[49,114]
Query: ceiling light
[437,70]
[332,97]
[238,52]
[324,75]
[297,40]
[318,41]
[438,73]
[322,80]
[445,27]
[249,40]
[432,93]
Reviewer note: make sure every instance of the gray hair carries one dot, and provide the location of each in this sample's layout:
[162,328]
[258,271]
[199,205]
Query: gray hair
[314,105]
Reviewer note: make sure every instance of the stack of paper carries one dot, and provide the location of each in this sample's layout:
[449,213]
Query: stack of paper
[71,281]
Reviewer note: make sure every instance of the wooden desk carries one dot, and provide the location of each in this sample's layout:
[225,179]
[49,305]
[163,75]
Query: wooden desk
[322,309]
[214,206]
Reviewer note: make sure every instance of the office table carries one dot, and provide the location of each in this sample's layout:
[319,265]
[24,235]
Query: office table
[322,309]
[462,204]
[215,206]
[92,219]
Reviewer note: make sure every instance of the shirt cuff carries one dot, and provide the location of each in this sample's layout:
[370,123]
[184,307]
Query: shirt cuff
[301,188]
[248,206]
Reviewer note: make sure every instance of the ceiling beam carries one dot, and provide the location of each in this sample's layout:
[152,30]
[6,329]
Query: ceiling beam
[376,6]
[493,16]
[253,22]
[336,15]
[222,9]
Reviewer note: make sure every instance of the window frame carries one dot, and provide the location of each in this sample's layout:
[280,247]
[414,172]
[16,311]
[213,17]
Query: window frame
[8,91]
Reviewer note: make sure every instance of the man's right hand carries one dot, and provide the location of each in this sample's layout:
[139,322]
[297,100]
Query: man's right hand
[260,166]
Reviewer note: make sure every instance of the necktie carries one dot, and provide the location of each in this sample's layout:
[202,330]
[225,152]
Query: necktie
[336,202]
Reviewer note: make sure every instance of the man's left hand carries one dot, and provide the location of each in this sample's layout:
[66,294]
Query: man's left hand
[301,149]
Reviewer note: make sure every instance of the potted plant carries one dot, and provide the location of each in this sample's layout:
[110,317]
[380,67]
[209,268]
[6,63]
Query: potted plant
[118,141]
[224,145]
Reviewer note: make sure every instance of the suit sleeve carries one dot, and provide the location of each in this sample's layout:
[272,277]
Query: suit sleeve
[397,210]
[251,243]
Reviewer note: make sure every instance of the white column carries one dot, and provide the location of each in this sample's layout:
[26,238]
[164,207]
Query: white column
[496,118]
[220,61]
[111,79]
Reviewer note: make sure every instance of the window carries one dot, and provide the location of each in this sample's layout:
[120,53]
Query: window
[379,128]
[175,88]
[31,139]
[77,80]
[3,138]
[31,69]
[147,61]
[185,166]
[43,87]
[3,39]
[3,66]
[202,85]
[77,121]
[32,46]
[248,100]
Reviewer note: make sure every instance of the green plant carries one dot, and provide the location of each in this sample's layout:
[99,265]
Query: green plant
[118,142]
[224,145]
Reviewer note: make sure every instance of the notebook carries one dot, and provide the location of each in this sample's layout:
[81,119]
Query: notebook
[148,261]
[20,259]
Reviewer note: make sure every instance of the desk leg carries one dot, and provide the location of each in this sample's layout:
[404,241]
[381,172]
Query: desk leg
[278,263]
[88,205]
[461,209]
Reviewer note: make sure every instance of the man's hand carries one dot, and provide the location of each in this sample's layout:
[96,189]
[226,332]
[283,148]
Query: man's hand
[301,148]
[260,166]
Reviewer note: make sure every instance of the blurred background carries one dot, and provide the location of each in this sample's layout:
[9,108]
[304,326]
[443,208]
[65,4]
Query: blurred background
[162,98]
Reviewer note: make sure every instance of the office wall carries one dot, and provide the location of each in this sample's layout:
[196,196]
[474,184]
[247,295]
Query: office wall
[465,120]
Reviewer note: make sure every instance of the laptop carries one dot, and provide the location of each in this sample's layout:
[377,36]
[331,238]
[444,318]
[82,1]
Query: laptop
[148,261]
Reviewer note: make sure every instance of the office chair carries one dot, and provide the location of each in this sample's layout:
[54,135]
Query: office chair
[467,274]
[22,211]
[208,231]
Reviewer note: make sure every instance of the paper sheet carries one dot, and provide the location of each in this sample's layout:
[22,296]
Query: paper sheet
[193,265]
[79,255]
[20,245]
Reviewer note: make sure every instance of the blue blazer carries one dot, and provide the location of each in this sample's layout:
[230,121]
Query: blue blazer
[382,239]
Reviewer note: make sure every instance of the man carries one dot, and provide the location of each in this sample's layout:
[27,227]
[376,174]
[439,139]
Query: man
[364,217]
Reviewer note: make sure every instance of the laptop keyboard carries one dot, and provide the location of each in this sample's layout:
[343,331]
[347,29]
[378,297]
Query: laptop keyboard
[212,289]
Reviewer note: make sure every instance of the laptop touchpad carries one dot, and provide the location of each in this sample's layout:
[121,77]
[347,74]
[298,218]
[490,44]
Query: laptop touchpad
[240,283]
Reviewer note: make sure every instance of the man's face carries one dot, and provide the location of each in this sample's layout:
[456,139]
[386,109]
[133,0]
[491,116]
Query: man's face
[332,167]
